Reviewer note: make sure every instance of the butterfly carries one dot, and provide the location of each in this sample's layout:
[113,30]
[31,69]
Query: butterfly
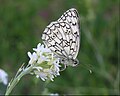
[62,37]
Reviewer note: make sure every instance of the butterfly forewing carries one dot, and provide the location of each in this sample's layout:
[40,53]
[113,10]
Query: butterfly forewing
[72,18]
[62,36]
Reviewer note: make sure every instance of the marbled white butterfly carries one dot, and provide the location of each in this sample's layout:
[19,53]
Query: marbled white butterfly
[63,37]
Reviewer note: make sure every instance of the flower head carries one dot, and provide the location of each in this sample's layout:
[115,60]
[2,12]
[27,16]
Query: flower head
[44,65]
[3,77]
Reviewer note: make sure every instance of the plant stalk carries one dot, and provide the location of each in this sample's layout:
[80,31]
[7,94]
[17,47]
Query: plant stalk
[17,79]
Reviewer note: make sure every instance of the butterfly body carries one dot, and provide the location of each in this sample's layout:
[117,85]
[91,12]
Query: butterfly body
[63,37]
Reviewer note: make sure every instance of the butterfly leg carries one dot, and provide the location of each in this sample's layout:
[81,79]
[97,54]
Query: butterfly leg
[63,68]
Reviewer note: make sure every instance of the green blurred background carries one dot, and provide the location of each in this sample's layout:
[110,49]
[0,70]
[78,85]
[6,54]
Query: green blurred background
[22,23]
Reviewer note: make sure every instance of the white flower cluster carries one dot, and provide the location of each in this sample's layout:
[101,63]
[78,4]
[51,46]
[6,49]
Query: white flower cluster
[44,64]
[3,77]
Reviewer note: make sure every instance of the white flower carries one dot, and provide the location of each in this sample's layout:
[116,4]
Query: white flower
[3,77]
[41,49]
[33,57]
[42,75]
[43,64]
[42,58]
[55,67]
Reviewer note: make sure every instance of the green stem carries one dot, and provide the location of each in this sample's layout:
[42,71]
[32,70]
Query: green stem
[17,79]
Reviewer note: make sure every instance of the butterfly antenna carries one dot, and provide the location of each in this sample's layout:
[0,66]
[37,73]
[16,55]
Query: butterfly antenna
[86,66]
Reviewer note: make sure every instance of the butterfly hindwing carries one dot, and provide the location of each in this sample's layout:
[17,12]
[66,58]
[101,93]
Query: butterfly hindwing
[57,37]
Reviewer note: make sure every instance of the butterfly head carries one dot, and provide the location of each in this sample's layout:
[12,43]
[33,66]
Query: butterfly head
[69,62]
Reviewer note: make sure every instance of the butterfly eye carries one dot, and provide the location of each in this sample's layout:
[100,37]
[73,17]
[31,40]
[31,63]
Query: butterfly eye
[75,62]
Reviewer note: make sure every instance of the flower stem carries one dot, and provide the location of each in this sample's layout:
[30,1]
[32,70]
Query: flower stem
[13,83]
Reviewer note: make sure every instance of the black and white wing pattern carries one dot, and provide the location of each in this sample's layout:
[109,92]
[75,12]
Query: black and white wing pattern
[63,37]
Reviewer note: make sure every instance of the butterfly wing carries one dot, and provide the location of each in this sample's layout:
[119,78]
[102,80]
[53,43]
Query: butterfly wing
[71,17]
[56,36]
[62,36]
